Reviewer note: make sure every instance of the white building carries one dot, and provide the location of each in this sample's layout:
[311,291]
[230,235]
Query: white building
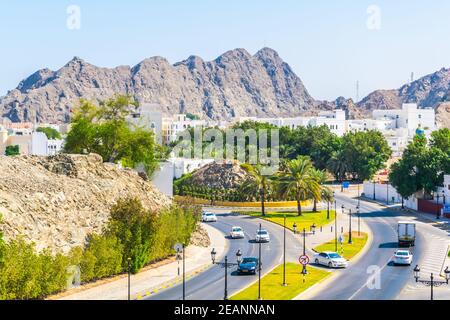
[410,117]
[335,120]
[42,146]
[182,166]
[172,127]
[146,117]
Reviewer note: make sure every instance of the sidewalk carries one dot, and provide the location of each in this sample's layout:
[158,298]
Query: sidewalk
[154,279]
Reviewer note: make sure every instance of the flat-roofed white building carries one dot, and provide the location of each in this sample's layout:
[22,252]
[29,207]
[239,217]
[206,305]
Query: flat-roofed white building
[410,117]
[334,120]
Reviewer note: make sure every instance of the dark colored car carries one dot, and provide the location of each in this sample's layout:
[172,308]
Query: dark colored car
[248,266]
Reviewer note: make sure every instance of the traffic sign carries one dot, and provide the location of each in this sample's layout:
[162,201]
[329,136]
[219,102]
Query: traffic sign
[346,185]
[304,260]
[178,247]
[341,239]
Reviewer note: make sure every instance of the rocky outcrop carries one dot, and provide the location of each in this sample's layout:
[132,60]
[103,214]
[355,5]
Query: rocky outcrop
[429,91]
[57,201]
[219,176]
[235,84]
[443,115]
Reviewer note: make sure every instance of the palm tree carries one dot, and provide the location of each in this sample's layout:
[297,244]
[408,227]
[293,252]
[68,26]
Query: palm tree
[298,180]
[338,165]
[328,196]
[321,177]
[258,184]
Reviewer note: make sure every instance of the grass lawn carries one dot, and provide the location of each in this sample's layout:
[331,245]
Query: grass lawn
[305,221]
[272,288]
[349,250]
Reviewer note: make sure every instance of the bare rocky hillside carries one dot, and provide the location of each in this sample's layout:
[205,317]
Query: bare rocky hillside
[57,201]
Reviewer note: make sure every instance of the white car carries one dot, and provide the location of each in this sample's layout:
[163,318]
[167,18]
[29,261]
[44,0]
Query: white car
[262,236]
[331,260]
[237,233]
[403,257]
[209,217]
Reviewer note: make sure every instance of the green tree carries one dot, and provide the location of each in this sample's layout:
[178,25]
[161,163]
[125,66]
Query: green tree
[12,151]
[441,139]
[51,133]
[321,176]
[338,165]
[258,184]
[297,179]
[104,130]
[366,153]
[421,168]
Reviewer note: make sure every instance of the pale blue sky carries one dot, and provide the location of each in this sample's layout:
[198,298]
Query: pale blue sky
[327,43]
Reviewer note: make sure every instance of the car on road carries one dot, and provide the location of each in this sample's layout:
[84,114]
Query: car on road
[237,233]
[403,257]
[249,265]
[209,217]
[331,260]
[262,236]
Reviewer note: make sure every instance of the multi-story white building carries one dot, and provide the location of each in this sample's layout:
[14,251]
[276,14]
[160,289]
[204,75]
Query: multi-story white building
[145,117]
[172,127]
[409,117]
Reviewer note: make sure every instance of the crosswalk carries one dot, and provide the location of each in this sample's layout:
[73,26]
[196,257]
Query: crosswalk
[435,253]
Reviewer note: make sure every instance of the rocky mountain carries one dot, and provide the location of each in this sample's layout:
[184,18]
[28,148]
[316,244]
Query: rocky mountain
[235,84]
[219,176]
[432,91]
[57,201]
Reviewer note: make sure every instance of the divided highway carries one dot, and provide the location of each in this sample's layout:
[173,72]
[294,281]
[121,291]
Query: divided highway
[209,285]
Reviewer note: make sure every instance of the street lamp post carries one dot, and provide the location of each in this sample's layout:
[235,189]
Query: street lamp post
[374,190]
[129,278]
[328,209]
[284,252]
[358,212]
[335,225]
[438,213]
[259,266]
[226,265]
[350,240]
[184,273]
[304,241]
[432,282]
[359,196]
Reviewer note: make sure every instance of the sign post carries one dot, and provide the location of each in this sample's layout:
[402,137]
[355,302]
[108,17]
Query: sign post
[304,261]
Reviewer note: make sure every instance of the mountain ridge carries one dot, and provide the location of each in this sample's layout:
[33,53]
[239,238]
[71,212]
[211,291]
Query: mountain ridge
[234,84]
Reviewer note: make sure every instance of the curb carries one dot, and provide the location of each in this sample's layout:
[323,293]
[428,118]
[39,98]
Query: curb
[179,279]
[447,258]
[334,274]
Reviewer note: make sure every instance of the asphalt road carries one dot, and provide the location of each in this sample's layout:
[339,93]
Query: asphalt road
[209,285]
[373,277]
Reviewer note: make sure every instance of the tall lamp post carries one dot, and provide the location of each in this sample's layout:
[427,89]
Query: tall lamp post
[284,252]
[358,212]
[350,240]
[359,196]
[374,190]
[226,265]
[259,266]
[438,210]
[129,278]
[432,282]
[335,224]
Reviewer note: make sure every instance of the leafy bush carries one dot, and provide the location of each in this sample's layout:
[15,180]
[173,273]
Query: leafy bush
[12,151]
[26,274]
[132,231]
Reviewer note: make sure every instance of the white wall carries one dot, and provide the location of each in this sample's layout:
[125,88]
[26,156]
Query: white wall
[163,178]
[381,192]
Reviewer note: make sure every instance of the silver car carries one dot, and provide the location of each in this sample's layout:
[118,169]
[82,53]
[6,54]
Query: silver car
[262,236]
